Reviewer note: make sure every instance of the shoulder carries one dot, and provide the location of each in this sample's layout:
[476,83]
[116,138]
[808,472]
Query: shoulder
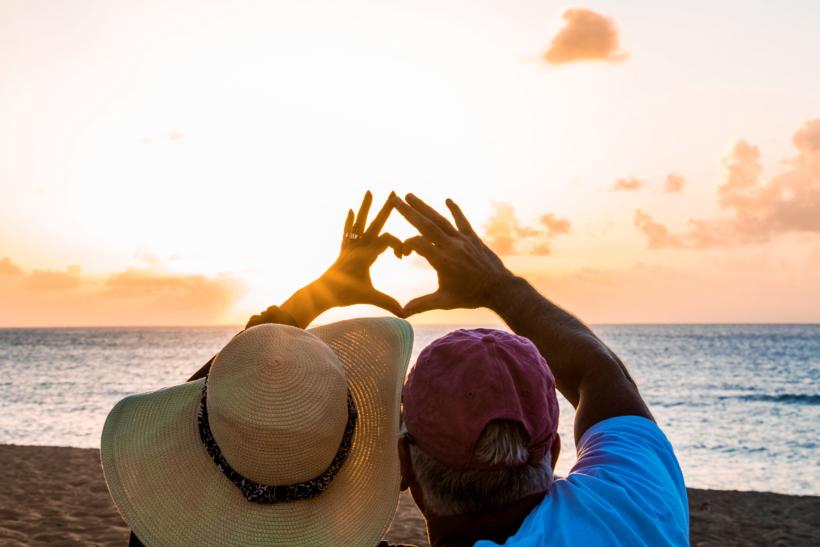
[629,461]
[622,431]
[625,489]
[630,451]
[625,439]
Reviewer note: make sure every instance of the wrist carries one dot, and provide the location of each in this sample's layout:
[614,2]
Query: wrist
[326,290]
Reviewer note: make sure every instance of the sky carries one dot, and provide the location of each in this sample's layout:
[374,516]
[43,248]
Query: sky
[191,164]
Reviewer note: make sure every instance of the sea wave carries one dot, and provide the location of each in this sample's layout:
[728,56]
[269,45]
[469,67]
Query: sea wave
[738,402]
[782,398]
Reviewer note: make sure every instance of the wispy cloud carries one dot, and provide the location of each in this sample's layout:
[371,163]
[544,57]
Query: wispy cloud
[585,36]
[673,184]
[754,211]
[507,236]
[627,185]
[657,235]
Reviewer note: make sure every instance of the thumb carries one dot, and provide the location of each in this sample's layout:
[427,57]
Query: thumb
[433,301]
[421,246]
[389,240]
[384,302]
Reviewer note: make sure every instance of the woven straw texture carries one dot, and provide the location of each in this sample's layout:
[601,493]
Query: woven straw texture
[169,491]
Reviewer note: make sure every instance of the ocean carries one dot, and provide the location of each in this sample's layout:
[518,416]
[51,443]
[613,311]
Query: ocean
[740,403]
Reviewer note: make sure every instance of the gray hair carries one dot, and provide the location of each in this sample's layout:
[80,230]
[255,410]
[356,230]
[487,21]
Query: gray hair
[503,445]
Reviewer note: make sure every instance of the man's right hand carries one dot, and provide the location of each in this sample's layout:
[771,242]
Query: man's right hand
[469,272]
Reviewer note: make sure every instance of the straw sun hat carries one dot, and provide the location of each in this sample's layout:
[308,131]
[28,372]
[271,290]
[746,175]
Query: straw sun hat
[291,440]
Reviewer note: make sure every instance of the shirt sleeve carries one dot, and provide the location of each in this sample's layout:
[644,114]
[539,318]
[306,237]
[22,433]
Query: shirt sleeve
[633,454]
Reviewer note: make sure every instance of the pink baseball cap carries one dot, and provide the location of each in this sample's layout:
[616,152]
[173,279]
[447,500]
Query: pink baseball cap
[470,377]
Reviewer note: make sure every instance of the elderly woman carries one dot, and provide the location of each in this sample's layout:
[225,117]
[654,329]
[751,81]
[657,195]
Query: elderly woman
[285,437]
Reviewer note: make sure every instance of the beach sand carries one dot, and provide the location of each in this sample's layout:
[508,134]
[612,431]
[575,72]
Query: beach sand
[57,496]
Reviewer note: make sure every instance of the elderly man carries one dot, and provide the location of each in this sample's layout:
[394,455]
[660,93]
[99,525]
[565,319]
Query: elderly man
[481,415]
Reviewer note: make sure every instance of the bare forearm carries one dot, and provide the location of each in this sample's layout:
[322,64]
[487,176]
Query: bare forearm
[571,349]
[586,371]
[309,302]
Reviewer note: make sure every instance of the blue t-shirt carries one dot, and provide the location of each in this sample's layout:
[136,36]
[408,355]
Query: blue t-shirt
[625,489]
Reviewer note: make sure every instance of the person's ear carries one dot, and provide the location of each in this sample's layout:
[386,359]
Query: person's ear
[408,478]
[555,450]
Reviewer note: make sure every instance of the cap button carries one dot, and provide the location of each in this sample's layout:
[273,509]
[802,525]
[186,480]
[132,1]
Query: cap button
[487,338]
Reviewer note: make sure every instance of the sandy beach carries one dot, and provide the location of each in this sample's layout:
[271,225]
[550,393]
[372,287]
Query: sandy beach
[57,496]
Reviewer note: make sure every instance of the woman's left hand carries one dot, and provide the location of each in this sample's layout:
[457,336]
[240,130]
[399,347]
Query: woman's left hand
[348,281]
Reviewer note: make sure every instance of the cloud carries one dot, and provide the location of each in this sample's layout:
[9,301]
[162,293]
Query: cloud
[585,36]
[554,224]
[657,234]
[674,184]
[168,290]
[129,297]
[506,236]
[50,280]
[627,185]
[7,267]
[754,212]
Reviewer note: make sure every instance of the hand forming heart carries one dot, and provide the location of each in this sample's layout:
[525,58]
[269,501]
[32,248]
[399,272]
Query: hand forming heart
[468,271]
[348,279]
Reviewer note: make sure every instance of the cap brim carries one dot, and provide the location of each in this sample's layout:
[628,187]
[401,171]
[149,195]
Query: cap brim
[169,491]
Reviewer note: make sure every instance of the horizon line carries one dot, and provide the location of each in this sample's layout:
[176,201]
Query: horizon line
[424,324]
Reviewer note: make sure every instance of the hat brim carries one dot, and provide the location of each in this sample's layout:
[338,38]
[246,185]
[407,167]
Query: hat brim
[169,491]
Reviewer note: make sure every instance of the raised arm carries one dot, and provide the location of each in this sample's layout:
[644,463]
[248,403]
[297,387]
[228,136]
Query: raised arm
[346,282]
[471,275]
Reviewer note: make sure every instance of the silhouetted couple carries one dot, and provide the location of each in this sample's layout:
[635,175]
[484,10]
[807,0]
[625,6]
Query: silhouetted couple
[292,437]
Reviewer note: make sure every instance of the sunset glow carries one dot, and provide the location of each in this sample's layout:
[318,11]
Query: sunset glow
[193,165]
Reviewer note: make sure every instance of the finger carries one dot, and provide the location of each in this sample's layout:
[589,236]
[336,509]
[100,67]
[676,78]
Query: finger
[433,301]
[389,240]
[461,221]
[421,246]
[385,302]
[381,217]
[361,218]
[348,222]
[431,213]
[425,226]
[253,321]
